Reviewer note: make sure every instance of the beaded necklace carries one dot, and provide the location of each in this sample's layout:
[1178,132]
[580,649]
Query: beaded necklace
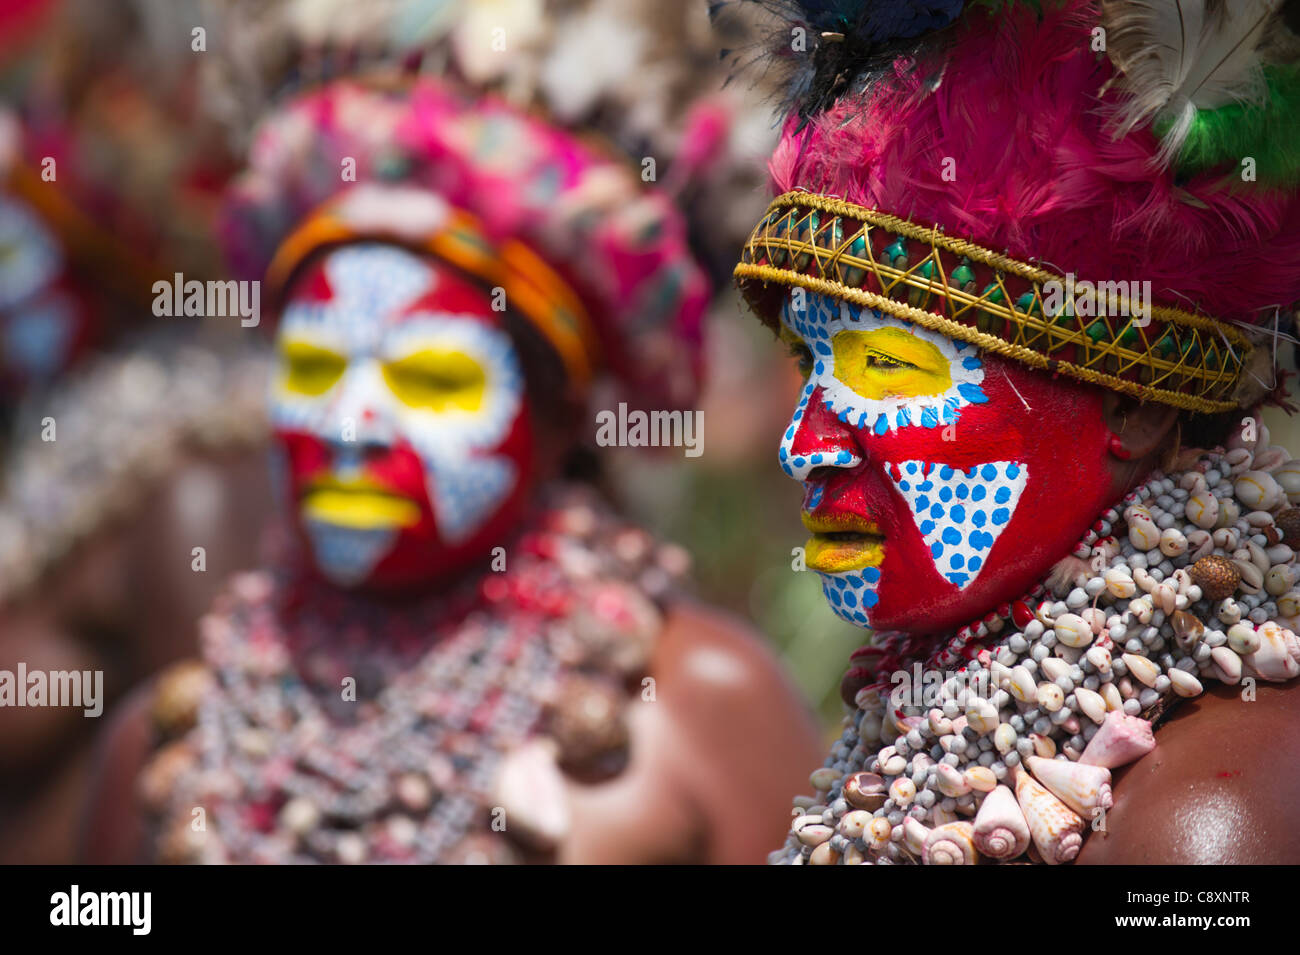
[289,769]
[70,467]
[998,744]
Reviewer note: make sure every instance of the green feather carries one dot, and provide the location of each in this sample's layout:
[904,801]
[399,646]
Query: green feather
[1266,132]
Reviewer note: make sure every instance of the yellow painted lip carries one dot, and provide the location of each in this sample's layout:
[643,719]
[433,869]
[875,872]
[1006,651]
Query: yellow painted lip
[844,524]
[360,504]
[832,555]
[832,551]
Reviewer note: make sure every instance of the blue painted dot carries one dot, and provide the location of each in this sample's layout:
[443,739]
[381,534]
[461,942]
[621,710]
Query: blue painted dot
[945,494]
[951,535]
[945,472]
[922,502]
[963,491]
[911,467]
[798,462]
[975,563]
[816,458]
[937,511]
[904,486]
[927,528]
[957,514]
[850,598]
[784,454]
[1001,516]
[957,562]
[936,550]
[970,363]
[789,433]
[988,472]
[925,486]
[1013,470]
[870,599]
[929,419]
[1002,495]
[835,597]
[882,425]
[871,575]
[978,492]
[979,519]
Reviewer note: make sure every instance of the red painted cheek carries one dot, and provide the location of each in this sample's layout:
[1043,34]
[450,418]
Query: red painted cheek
[419,554]
[1053,427]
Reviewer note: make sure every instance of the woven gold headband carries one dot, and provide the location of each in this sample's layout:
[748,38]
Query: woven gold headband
[875,260]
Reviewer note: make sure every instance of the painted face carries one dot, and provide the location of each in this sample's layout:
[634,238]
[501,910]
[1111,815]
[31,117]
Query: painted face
[939,480]
[398,404]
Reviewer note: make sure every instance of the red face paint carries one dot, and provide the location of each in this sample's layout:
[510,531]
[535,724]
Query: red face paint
[933,517]
[399,405]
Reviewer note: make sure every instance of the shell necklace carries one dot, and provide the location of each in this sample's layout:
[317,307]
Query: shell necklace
[999,745]
[289,769]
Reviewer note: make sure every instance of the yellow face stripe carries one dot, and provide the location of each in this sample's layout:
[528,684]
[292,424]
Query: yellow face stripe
[359,508]
[438,379]
[307,369]
[885,362]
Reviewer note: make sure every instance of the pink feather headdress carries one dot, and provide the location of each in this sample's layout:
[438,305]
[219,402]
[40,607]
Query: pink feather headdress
[1013,128]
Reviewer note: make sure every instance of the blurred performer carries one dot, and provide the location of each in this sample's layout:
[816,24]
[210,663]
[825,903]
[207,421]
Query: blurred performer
[1033,260]
[466,655]
[121,450]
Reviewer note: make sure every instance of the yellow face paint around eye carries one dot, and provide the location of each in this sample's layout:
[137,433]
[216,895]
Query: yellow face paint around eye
[309,369]
[438,380]
[886,362]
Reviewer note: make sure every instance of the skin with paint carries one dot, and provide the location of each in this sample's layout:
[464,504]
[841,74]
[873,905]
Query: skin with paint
[938,481]
[398,407]
[448,454]
[896,432]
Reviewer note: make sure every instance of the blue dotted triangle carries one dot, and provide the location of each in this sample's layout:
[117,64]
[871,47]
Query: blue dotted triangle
[961,513]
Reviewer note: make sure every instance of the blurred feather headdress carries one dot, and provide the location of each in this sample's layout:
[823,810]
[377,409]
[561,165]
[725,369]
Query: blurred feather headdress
[950,161]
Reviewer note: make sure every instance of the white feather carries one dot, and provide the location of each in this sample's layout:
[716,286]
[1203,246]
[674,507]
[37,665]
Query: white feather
[1181,56]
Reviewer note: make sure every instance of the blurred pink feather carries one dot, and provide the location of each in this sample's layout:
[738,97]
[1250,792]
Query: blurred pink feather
[1038,175]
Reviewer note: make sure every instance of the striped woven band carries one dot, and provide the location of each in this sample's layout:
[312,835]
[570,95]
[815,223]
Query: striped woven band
[862,256]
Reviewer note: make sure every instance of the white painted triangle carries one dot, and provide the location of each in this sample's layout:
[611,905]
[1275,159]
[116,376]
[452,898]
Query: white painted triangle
[466,492]
[961,512]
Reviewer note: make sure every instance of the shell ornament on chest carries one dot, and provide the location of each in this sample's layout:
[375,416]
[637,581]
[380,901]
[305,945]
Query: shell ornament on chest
[325,727]
[998,745]
[935,478]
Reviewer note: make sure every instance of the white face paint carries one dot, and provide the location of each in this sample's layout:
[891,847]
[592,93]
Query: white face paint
[961,513]
[817,327]
[446,384]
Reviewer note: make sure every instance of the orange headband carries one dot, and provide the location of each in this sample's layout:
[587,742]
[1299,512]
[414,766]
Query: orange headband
[531,286]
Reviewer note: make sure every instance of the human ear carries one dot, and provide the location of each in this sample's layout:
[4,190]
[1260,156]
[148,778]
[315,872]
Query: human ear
[1137,429]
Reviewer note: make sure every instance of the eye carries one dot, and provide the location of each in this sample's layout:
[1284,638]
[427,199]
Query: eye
[801,353]
[881,362]
[884,362]
[310,370]
[438,380]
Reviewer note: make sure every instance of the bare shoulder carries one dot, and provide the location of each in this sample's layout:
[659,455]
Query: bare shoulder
[708,660]
[1222,786]
[744,740]
[112,822]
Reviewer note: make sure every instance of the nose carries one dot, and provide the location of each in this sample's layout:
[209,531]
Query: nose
[817,439]
[361,421]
